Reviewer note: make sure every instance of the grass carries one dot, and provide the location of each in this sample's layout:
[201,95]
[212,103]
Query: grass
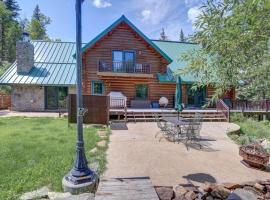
[251,130]
[36,152]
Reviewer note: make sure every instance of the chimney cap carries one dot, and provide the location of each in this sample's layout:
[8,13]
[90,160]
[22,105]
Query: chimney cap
[25,37]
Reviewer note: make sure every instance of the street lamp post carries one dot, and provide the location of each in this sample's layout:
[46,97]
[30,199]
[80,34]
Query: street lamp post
[81,178]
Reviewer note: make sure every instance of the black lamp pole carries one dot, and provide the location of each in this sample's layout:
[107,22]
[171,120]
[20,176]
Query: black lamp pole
[80,173]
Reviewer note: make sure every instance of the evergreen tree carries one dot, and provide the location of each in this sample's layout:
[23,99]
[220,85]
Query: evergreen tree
[182,36]
[37,25]
[163,35]
[13,7]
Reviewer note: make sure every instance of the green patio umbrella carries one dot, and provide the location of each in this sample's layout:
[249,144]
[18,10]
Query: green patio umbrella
[178,95]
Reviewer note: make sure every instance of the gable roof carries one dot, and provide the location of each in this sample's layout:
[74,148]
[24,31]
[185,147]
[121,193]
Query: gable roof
[115,24]
[175,49]
[53,65]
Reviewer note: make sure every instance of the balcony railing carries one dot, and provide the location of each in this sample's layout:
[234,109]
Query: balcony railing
[124,67]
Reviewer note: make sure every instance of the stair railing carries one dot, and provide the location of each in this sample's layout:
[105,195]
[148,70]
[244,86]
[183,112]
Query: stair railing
[224,108]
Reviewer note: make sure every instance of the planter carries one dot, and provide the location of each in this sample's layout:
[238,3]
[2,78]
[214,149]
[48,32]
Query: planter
[254,155]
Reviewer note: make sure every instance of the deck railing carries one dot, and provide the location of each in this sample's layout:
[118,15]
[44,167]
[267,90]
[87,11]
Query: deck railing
[124,67]
[248,105]
[224,108]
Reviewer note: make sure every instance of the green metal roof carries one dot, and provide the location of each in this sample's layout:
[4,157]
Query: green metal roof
[117,22]
[175,50]
[53,65]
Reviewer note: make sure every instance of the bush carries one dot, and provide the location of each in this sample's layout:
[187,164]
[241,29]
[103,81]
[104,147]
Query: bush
[4,88]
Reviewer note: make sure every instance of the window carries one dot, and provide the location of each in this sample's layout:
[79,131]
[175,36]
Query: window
[123,61]
[97,87]
[141,91]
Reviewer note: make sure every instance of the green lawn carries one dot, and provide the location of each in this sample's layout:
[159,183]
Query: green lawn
[36,152]
[251,129]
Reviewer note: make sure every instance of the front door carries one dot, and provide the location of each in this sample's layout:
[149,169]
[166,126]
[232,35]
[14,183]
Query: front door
[51,98]
[195,98]
[55,97]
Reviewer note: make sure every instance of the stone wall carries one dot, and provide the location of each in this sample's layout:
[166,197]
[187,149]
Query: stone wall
[27,98]
[24,56]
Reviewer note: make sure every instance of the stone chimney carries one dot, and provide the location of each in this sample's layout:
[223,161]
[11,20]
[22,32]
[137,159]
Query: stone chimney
[24,55]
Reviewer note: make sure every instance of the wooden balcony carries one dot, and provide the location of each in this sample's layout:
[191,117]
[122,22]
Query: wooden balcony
[124,69]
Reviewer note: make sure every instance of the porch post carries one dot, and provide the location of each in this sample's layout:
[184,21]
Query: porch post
[80,179]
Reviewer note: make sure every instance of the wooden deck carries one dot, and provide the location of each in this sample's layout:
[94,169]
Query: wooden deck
[126,189]
[144,115]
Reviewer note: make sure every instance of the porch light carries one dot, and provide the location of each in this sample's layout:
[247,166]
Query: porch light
[81,178]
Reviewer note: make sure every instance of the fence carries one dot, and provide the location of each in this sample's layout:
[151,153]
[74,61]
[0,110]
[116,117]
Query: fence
[248,105]
[5,101]
[98,109]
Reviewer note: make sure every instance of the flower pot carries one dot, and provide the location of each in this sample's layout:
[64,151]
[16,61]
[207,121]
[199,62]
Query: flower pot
[254,155]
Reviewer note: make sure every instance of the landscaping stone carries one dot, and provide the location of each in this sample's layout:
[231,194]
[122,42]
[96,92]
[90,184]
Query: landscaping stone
[164,193]
[84,196]
[101,143]
[190,195]
[240,194]
[259,187]
[93,151]
[220,192]
[37,194]
[94,166]
[232,186]
[58,195]
[179,191]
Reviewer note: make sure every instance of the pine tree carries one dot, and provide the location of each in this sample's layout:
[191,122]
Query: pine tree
[13,7]
[37,25]
[163,35]
[182,36]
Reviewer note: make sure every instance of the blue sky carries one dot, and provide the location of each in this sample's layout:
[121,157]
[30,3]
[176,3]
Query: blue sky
[150,16]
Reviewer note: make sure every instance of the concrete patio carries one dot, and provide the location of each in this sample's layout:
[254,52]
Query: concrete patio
[137,153]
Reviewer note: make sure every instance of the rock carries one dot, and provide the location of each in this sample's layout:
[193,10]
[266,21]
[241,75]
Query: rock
[207,187]
[101,143]
[164,193]
[248,183]
[37,194]
[179,191]
[231,186]
[220,192]
[180,198]
[84,196]
[267,188]
[259,187]
[93,151]
[209,198]
[190,195]
[94,166]
[240,194]
[267,182]
[101,133]
[58,195]
[252,190]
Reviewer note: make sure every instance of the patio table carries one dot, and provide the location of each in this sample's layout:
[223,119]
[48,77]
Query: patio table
[177,122]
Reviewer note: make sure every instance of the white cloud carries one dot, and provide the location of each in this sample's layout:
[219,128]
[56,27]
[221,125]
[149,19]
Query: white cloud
[193,14]
[101,3]
[146,14]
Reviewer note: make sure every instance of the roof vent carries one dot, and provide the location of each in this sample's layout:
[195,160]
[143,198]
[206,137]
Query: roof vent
[24,54]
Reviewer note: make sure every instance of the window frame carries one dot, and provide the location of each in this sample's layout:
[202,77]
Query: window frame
[147,95]
[93,87]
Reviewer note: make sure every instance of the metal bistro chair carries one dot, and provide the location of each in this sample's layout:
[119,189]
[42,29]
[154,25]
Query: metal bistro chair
[165,128]
[193,130]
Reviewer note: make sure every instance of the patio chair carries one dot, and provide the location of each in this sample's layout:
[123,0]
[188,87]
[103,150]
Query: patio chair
[192,131]
[167,129]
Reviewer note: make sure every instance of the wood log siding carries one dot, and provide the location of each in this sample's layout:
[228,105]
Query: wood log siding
[121,38]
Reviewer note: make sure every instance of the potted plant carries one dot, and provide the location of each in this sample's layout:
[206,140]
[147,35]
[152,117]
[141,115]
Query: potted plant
[254,155]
